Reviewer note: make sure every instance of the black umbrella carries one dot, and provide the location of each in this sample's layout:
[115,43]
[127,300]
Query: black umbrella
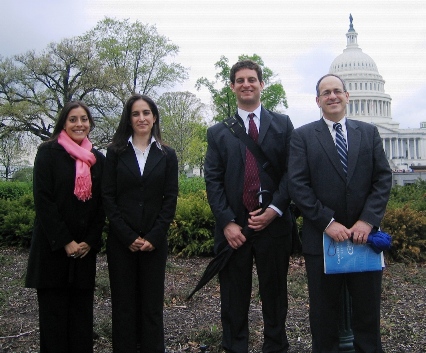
[379,241]
[222,258]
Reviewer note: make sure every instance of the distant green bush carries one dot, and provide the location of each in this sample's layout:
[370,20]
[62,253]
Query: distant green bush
[13,190]
[17,221]
[191,232]
[190,185]
[411,194]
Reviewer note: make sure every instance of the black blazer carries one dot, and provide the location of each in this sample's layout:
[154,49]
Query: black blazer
[140,205]
[319,187]
[62,218]
[224,173]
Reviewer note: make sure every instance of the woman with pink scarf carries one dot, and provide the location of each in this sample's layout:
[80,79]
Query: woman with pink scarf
[67,232]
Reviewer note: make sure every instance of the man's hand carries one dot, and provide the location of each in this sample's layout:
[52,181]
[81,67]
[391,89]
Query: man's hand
[84,249]
[360,230]
[338,231]
[234,236]
[72,249]
[260,222]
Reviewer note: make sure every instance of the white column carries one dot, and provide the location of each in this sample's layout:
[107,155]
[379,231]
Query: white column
[408,148]
[415,151]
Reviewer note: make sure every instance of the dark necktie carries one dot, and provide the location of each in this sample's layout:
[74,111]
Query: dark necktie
[342,147]
[251,172]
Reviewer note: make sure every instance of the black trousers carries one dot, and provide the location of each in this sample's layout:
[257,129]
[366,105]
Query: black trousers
[325,307]
[137,296]
[272,260]
[66,320]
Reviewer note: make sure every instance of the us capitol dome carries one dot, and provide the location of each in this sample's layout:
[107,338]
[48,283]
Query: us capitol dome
[368,102]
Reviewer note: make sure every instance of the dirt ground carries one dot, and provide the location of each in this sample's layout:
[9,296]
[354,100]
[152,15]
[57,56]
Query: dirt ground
[192,324]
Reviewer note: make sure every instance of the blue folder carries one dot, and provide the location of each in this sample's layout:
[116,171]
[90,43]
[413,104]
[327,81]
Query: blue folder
[345,257]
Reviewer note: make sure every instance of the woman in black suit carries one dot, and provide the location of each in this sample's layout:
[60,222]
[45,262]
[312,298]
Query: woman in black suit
[140,187]
[67,232]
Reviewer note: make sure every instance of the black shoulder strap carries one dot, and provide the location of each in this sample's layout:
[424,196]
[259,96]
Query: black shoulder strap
[239,131]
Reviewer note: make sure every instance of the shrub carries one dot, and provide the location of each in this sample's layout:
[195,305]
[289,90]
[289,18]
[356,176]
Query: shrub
[190,185]
[412,194]
[408,229]
[17,221]
[13,190]
[191,232]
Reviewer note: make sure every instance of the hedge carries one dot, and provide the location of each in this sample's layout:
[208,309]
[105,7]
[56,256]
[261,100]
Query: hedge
[191,232]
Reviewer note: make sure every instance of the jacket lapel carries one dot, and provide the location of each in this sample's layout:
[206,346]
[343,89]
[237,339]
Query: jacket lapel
[129,159]
[265,122]
[326,140]
[154,156]
[242,145]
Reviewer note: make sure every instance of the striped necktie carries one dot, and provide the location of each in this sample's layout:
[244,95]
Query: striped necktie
[342,147]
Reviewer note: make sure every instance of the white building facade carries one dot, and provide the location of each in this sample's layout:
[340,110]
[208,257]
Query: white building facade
[368,102]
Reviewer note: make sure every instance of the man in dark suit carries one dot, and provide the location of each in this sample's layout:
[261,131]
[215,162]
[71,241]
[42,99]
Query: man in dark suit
[339,198]
[228,189]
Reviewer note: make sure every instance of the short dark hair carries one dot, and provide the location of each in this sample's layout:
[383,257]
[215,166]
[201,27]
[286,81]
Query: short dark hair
[319,81]
[125,130]
[63,115]
[245,64]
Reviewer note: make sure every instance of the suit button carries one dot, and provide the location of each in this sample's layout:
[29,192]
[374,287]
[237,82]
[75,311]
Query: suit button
[140,204]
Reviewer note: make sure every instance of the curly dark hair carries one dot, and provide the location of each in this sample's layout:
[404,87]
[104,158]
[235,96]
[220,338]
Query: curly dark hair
[245,64]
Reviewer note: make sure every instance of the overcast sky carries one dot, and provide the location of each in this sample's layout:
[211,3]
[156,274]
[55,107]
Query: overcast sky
[298,40]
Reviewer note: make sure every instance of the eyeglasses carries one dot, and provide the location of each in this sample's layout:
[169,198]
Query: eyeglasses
[337,92]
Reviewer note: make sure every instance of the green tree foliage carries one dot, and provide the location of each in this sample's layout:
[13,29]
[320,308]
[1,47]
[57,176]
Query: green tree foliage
[12,153]
[136,57]
[35,87]
[103,67]
[224,102]
[197,148]
[181,116]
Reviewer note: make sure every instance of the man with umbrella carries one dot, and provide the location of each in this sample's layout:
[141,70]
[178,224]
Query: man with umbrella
[234,177]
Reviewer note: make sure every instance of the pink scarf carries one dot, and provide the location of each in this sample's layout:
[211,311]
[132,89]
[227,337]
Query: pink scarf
[84,159]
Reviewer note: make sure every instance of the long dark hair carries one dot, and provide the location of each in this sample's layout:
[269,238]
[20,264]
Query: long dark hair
[63,115]
[125,130]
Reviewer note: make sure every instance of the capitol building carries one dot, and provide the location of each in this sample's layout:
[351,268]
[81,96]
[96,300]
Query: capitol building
[405,148]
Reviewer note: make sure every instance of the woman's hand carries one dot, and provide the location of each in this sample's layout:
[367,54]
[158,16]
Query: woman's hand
[147,246]
[137,244]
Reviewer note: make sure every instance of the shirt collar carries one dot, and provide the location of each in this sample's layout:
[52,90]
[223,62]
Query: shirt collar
[331,123]
[244,114]
[150,143]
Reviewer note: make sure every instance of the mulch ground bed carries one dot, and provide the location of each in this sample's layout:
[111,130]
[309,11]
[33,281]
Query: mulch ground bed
[192,324]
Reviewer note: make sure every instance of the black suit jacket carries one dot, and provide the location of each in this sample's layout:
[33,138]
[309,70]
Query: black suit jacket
[319,187]
[62,218]
[140,205]
[224,173]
